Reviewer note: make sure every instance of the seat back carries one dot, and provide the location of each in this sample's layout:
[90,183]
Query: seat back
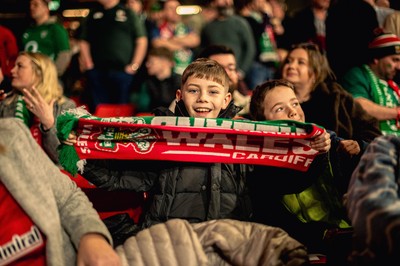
[114,110]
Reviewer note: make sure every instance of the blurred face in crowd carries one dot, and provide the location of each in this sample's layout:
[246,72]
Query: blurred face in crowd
[321,4]
[382,3]
[387,67]
[24,73]
[223,7]
[157,65]
[203,98]
[296,68]
[280,103]
[135,5]
[228,62]
[170,11]
[38,9]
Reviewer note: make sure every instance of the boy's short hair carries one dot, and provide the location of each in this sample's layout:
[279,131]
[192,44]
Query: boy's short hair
[258,96]
[162,52]
[204,68]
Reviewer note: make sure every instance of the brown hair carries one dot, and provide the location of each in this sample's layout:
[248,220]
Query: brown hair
[204,68]
[317,62]
[258,96]
[162,52]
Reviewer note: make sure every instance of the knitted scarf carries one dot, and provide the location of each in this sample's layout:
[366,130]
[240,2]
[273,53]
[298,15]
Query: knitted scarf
[187,139]
[385,94]
[22,113]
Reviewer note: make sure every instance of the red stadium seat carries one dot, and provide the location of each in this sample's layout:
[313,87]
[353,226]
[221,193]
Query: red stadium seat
[114,110]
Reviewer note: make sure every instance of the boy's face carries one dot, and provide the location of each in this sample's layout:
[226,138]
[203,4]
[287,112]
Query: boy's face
[203,98]
[281,103]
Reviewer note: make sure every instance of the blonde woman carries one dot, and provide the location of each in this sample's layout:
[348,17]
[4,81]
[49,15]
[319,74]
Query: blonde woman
[36,98]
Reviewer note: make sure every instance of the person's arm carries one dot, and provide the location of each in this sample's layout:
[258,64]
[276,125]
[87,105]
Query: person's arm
[138,55]
[95,250]
[63,48]
[121,174]
[378,111]
[62,61]
[85,58]
[248,47]
[372,201]
[76,215]
[190,40]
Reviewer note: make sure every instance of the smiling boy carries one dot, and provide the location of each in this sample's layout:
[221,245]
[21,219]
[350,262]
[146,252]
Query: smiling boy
[308,214]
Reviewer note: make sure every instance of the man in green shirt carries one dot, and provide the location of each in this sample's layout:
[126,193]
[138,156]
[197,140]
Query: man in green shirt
[372,84]
[46,35]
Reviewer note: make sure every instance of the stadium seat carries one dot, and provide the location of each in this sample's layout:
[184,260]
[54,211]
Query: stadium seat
[114,110]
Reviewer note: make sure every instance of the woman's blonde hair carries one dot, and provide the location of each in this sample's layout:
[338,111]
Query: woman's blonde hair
[46,74]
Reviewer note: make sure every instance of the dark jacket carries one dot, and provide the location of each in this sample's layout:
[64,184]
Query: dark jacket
[332,107]
[194,191]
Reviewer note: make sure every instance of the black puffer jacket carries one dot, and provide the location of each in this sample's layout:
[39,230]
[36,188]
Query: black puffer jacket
[192,191]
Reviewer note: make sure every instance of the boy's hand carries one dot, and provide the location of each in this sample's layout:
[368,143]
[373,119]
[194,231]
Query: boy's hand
[71,140]
[321,143]
[349,147]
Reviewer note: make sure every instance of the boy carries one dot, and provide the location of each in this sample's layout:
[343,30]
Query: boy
[307,215]
[194,191]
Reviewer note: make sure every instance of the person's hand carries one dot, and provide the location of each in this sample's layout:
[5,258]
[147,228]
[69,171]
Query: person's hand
[3,95]
[321,143]
[38,106]
[71,140]
[350,147]
[95,250]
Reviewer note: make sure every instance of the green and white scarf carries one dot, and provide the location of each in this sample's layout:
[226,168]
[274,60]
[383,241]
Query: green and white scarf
[384,96]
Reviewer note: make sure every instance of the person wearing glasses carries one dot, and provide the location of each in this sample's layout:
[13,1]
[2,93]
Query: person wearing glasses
[36,98]
[326,103]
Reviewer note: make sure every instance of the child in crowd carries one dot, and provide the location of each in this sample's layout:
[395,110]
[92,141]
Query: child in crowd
[160,86]
[307,215]
[197,191]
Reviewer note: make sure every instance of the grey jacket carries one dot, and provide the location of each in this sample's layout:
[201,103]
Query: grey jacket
[58,208]
[50,141]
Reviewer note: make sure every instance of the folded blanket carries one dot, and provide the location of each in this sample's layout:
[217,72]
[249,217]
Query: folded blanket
[273,143]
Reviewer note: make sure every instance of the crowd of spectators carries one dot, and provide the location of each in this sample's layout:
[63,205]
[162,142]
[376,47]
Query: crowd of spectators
[265,62]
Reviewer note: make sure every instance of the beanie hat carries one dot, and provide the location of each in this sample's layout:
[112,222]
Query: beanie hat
[384,45]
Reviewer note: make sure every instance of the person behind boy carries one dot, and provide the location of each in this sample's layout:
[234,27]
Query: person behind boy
[195,191]
[159,88]
[309,214]
[372,84]
[225,56]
